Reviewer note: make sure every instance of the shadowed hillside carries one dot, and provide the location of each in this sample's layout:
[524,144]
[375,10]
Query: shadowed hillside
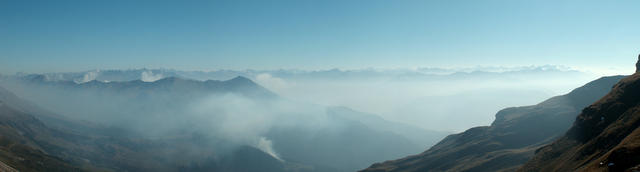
[510,140]
[27,144]
[18,148]
[604,137]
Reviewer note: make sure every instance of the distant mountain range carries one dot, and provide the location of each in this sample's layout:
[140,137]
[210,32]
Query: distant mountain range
[149,75]
[175,85]
[176,124]
[408,93]
[163,120]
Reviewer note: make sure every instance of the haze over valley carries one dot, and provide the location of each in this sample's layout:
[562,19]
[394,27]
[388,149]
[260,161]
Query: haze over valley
[426,97]
[319,86]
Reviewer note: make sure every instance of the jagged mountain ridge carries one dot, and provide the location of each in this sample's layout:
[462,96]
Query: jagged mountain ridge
[239,84]
[426,72]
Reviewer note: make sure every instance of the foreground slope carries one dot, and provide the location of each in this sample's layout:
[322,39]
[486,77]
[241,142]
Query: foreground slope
[604,137]
[510,140]
[28,144]
[19,151]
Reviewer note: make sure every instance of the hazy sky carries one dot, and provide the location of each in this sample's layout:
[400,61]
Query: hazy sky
[50,36]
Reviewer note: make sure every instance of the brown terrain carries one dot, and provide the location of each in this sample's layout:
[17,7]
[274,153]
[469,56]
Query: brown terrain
[511,139]
[17,150]
[605,137]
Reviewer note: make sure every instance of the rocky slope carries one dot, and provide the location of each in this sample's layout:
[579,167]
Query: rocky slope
[28,144]
[510,140]
[18,151]
[604,137]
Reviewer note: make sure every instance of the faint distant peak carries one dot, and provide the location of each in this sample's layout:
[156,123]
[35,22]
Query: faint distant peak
[241,80]
[35,78]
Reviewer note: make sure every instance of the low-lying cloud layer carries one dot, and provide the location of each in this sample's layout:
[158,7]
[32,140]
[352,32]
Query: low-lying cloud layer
[449,102]
[296,124]
[424,97]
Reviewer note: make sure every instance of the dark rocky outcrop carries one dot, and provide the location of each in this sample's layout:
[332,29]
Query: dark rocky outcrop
[638,64]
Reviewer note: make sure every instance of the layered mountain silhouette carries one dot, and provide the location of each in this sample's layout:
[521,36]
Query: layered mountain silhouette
[91,136]
[129,104]
[28,144]
[424,73]
[176,85]
[604,137]
[511,139]
[144,125]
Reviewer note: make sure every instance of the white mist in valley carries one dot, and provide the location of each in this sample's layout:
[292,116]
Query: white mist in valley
[266,146]
[431,98]
[444,102]
[307,117]
[224,116]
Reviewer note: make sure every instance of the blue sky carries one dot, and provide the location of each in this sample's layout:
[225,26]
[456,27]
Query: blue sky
[57,36]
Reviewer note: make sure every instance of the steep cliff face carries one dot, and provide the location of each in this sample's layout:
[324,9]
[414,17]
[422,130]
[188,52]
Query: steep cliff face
[511,139]
[604,137]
